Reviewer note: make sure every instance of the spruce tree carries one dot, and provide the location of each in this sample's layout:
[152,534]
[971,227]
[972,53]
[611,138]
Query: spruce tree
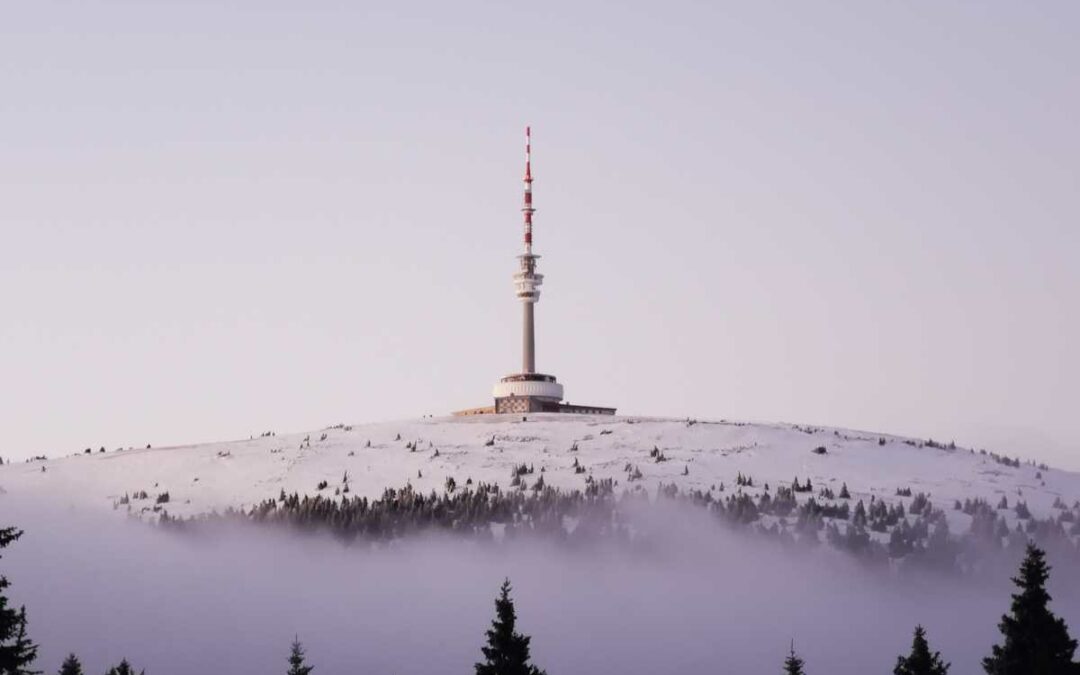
[71,666]
[296,659]
[920,661]
[17,652]
[124,669]
[1035,641]
[507,652]
[793,665]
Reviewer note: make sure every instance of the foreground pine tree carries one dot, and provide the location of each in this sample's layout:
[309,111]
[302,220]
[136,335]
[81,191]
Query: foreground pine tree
[124,669]
[71,666]
[507,652]
[920,661]
[793,665]
[1036,642]
[296,660]
[17,652]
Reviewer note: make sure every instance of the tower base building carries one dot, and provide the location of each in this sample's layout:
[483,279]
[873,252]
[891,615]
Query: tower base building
[530,391]
[536,393]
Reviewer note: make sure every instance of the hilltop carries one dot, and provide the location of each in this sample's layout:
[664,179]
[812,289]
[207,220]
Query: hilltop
[635,452]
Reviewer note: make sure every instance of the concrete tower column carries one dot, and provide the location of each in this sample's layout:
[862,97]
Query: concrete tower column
[528,343]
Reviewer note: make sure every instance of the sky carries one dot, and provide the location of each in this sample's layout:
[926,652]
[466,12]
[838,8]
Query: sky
[224,218]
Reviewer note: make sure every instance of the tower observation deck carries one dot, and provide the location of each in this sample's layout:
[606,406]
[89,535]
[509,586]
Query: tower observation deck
[530,391]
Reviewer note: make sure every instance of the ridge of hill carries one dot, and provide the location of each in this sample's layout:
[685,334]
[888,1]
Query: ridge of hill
[635,452]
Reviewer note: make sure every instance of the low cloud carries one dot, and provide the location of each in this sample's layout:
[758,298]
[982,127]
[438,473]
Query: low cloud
[700,599]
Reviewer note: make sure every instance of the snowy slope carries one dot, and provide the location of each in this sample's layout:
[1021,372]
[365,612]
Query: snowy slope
[203,478]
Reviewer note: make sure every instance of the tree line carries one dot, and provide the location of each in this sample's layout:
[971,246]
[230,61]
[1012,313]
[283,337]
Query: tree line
[918,534]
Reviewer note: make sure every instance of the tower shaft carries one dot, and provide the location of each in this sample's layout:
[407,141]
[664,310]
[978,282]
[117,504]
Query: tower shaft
[528,341]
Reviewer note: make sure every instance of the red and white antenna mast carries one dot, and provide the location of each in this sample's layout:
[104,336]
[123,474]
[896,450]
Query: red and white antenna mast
[528,209]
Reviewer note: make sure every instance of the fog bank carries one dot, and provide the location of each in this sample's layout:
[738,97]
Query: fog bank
[707,599]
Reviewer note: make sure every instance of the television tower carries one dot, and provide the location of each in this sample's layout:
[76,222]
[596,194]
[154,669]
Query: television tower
[529,391]
[527,281]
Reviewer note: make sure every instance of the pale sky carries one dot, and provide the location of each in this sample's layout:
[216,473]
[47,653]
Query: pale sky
[222,218]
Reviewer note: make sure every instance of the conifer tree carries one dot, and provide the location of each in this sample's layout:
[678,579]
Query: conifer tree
[23,645]
[124,669]
[507,652]
[296,659]
[71,666]
[1035,641]
[920,661]
[793,665]
[17,652]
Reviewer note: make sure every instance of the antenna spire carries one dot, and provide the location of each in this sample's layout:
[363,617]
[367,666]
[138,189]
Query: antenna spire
[528,209]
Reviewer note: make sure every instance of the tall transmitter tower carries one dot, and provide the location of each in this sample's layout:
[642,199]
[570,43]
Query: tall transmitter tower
[527,281]
[530,391]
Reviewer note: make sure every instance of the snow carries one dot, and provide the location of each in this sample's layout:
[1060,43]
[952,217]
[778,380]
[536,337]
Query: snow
[216,476]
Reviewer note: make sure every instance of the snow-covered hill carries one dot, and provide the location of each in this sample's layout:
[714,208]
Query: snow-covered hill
[424,453]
